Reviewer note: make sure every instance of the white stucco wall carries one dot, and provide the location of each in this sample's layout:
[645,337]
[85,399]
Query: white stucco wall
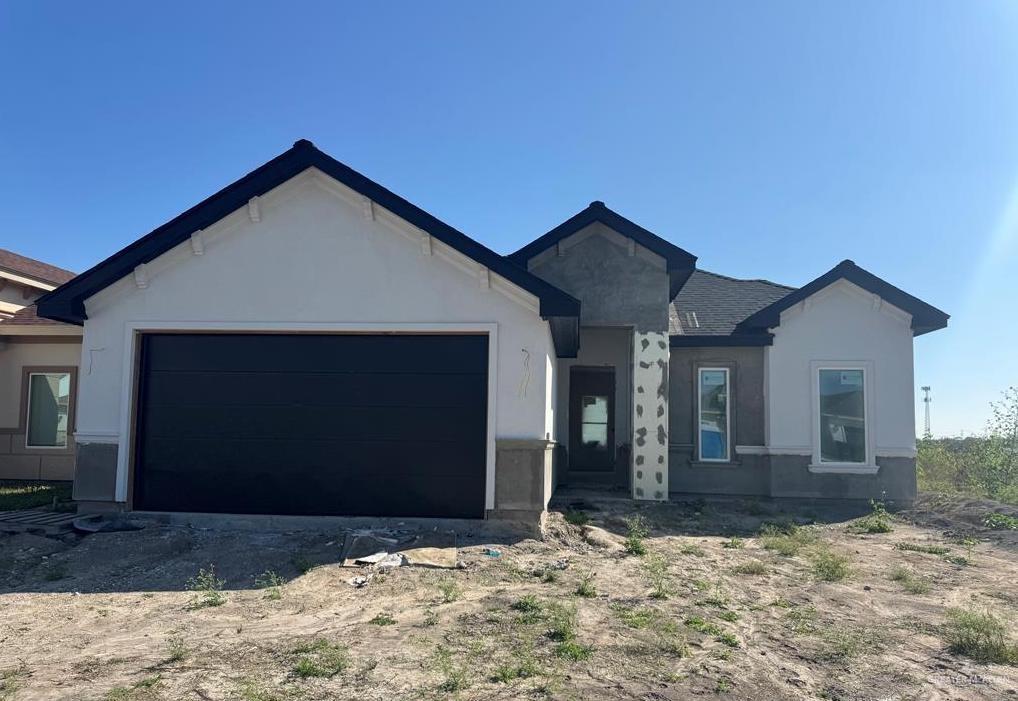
[319,254]
[841,323]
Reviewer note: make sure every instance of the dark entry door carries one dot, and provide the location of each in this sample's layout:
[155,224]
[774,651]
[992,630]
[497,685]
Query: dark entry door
[376,425]
[592,419]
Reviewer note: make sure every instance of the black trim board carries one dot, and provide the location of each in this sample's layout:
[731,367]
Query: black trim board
[679,263]
[925,317]
[67,302]
[719,341]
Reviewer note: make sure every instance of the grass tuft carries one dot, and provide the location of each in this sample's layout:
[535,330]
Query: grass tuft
[383,619]
[586,586]
[754,567]
[877,521]
[320,658]
[829,566]
[450,590]
[979,635]
[787,540]
[577,518]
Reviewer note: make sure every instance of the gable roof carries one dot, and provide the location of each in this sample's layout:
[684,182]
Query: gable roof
[678,262]
[925,317]
[712,305]
[30,267]
[67,303]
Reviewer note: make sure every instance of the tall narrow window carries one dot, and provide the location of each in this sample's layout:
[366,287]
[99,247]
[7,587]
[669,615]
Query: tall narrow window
[49,402]
[842,415]
[713,414]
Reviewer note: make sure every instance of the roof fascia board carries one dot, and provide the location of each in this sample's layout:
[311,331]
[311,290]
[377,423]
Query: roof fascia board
[925,317]
[66,303]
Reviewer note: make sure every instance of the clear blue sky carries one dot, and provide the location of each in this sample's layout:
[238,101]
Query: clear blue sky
[770,139]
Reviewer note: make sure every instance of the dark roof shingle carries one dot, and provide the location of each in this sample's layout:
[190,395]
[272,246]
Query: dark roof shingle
[711,305]
[29,267]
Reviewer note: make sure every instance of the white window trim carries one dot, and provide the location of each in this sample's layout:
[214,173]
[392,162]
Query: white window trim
[728,414]
[28,410]
[820,466]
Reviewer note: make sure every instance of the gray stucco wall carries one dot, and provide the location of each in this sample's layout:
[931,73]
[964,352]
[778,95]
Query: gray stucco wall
[599,348]
[95,472]
[615,287]
[895,481]
[746,375]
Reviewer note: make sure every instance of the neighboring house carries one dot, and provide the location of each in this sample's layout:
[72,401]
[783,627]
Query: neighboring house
[307,342]
[38,374]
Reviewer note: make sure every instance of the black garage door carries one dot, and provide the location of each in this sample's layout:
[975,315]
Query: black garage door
[379,425]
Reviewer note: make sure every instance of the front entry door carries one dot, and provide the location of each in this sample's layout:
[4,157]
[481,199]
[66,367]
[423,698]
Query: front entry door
[592,419]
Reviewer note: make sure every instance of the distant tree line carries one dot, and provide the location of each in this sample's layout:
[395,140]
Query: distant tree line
[985,466]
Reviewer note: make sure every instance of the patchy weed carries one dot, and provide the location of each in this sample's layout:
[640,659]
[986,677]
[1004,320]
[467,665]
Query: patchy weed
[320,658]
[208,589]
[979,635]
[829,566]
[577,518]
[754,567]
[637,530]
[450,590]
[656,568]
[383,619]
[586,586]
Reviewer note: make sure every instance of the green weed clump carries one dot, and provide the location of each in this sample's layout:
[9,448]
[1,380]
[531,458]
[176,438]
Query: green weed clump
[208,589]
[637,530]
[979,635]
[320,658]
[787,539]
[829,566]
[877,521]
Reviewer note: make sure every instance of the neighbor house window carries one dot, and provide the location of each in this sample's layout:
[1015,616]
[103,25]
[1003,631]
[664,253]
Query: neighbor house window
[49,402]
[714,416]
[842,415]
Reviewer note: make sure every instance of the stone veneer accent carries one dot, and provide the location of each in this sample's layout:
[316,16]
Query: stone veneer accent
[650,415]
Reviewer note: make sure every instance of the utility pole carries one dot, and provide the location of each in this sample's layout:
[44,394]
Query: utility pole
[926,400]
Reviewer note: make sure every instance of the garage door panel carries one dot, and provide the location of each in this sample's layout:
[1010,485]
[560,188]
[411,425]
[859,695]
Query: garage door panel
[301,423]
[312,424]
[327,477]
[448,353]
[196,388]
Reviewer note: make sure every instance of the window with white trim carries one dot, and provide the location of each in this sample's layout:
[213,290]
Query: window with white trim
[842,404]
[48,407]
[713,415]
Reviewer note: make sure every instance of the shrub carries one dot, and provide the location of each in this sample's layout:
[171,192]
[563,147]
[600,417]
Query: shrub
[979,635]
[734,543]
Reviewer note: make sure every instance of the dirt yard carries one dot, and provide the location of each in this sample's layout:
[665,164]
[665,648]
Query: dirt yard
[720,604]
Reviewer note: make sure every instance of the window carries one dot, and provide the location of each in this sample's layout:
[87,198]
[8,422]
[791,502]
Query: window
[714,414]
[49,401]
[594,422]
[842,415]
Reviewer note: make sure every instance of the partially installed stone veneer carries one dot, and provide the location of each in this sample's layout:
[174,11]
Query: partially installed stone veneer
[650,415]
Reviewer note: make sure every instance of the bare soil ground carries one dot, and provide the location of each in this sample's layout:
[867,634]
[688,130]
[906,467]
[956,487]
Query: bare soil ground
[712,608]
